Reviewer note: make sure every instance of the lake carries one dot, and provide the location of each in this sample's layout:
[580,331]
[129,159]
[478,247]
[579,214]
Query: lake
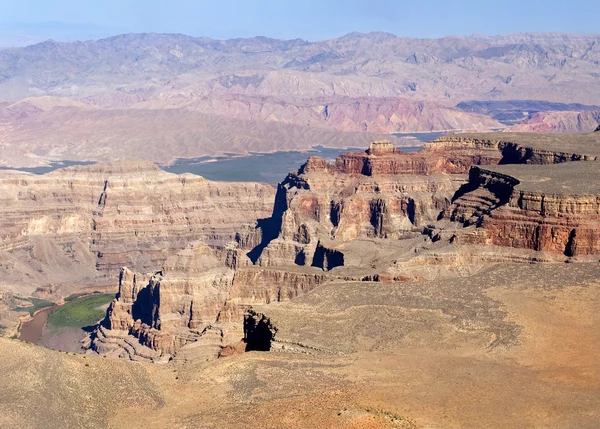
[257,167]
[53,166]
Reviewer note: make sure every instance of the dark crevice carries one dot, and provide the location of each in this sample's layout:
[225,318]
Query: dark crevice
[335,213]
[259,331]
[270,227]
[300,258]
[411,211]
[327,259]
[571,248]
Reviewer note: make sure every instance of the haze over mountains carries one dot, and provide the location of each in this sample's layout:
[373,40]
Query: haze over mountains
[168,96]
[17,34]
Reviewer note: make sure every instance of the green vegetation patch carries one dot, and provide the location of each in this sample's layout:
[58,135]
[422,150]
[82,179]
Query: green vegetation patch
[81,313]
[77,295]
[36,304]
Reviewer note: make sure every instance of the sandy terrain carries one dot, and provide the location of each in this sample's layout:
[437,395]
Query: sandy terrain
[513,347]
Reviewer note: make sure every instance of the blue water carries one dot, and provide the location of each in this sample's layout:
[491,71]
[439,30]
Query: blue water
[53,166]
[258,167]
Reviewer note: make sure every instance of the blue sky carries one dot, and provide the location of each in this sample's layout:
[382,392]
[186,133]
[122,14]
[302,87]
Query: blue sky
[311,19]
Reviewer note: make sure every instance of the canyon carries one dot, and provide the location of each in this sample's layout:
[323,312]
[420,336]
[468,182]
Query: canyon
[463,203]
[392,232]
[382,289]
[76,227]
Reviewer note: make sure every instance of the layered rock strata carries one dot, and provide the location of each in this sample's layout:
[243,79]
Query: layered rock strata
[383,216]
[382,158]
[524,148]
[384,193]
[381,193]
[195,301]
[106,216]
[545,208]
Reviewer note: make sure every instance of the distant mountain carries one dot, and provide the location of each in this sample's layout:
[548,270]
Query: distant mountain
[560,122]
[374,82]
[552,67]
[511,112]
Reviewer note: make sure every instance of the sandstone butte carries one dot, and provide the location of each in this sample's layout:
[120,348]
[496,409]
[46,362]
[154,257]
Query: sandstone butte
[462,203]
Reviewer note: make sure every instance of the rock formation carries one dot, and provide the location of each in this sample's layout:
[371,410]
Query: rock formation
[175,306]
[383,147]
[197,301]
[382,215]
[381,193]
[384,193]
[525,148]
[106,216]
[544,208]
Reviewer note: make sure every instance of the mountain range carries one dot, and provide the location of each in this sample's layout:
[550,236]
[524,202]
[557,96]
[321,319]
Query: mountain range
[191,96]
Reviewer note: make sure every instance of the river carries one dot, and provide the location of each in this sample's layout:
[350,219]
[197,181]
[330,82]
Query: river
[65,337]
[31,331]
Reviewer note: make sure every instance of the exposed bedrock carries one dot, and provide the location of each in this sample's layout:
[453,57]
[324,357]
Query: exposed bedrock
[546,208]
[484,192]
[385,193]
[382,193]
[122,214]
[383,159]
[382,207]
[195,300]
[523,148]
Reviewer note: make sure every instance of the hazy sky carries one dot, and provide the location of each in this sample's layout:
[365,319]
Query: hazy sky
[313,19]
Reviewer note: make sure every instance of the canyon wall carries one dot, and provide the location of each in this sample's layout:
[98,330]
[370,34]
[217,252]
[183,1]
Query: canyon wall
[553,209]
[387,194]
[196,299]
[523,148]
[380,193]
[82,224]
[382,215]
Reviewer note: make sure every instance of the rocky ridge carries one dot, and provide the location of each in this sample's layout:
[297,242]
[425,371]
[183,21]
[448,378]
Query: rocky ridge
[560,122]
[381,193]
[551,208]
[186,97]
